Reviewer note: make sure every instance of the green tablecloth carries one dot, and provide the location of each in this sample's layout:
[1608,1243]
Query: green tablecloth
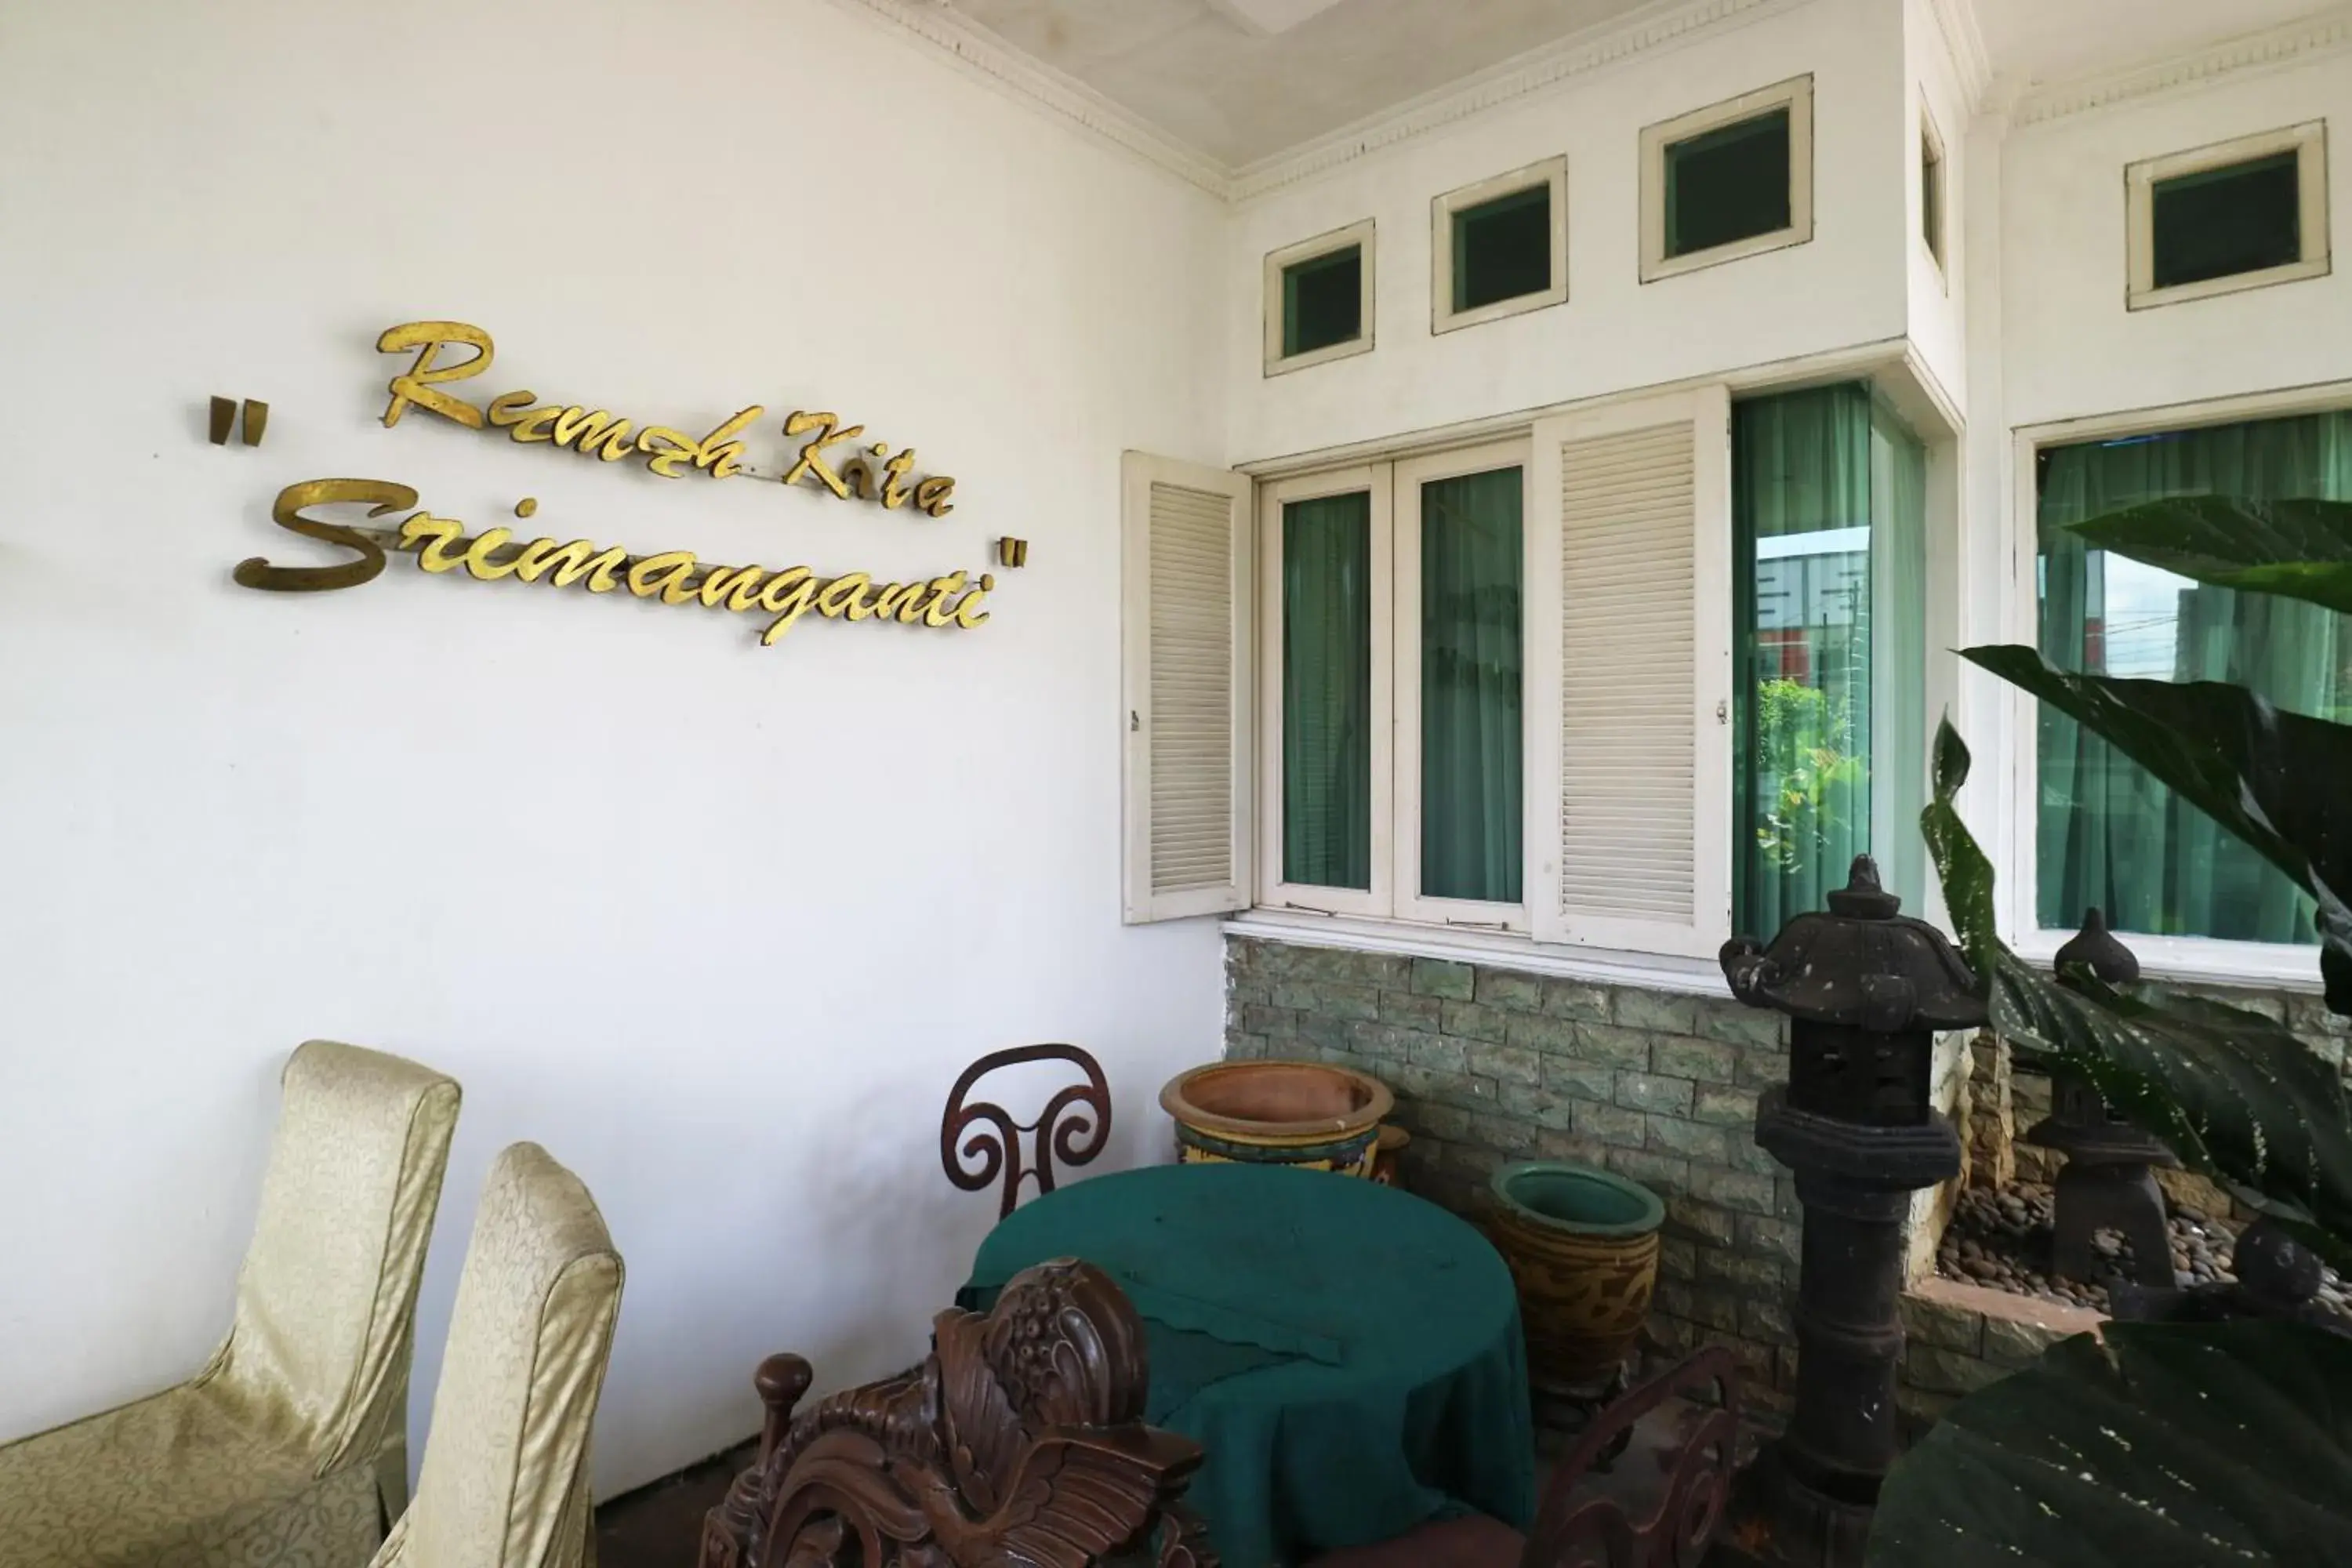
[1349,1355]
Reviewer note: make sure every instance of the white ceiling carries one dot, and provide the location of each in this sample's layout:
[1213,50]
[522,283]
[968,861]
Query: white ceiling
[2048,40]
[1241,80]
[1216,76]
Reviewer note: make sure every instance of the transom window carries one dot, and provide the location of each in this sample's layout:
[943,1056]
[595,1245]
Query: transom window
[1319,299]
[2106,833]
[2238,214]
[1392,678]
[1931,189]
[1729,180]
[1500,247]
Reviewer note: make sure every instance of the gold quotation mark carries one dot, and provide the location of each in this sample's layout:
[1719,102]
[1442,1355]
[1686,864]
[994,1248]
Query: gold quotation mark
[225,415]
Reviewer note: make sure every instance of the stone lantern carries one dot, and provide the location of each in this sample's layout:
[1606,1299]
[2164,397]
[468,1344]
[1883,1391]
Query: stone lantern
[1867,989]
[2107,1182]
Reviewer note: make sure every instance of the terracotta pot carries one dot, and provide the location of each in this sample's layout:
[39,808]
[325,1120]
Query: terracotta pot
[1584,1247]
[1308,1114]
[1389,1152]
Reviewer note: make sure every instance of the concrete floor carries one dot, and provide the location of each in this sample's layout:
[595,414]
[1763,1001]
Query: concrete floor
[660,1526]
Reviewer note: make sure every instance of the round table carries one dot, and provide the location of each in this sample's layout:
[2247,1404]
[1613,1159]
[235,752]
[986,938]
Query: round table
[1349,1355]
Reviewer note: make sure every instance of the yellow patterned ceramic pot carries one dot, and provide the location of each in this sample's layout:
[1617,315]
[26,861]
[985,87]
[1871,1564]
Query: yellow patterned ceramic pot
[1583,1249]
[1308,1114]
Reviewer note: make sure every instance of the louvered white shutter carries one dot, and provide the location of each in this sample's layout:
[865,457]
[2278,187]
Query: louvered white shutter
[1629,632]
[1186,609]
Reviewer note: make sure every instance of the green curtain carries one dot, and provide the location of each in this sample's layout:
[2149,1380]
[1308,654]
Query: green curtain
[1326,692]
[1470,725]
[2109,834]
[1829,592]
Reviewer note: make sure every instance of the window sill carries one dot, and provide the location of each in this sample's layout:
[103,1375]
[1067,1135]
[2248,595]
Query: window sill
[1499,950]
[2149,299]
[2188,960]
[1444,320]
[1284,365]
[1657,268]
[2199,960]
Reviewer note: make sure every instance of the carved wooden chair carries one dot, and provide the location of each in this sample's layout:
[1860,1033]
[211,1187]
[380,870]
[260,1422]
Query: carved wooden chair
[996,1146]
[1018,1443]
[1664,1519]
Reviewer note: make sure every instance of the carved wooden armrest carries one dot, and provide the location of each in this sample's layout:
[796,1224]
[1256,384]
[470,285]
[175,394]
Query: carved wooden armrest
[1020,1439]
[1698,1473]
[729,1529]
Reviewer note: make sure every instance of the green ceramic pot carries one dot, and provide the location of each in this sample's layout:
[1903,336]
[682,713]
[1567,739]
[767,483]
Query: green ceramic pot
[1582,1245]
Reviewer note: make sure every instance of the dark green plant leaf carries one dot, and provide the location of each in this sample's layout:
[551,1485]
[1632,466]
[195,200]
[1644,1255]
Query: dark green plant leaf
[2281,782]
[1961,868]
[2230,1092]
[2300,549]
[2163,1446]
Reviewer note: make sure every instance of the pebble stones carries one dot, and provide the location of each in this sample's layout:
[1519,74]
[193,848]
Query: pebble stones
[2002,1239]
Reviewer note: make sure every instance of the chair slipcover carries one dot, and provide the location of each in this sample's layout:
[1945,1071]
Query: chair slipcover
[291,1447]
[505,1479]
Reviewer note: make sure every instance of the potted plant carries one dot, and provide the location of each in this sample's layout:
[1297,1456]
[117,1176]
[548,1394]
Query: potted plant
[2172,1442]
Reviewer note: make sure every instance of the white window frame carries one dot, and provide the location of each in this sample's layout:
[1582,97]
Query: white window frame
[2308,141]
[1378,901]
[1796,95]
[1363,235]
[1931,155]
[2193,959]
[1411,474]
[1395,894]
[1551,173]
[1973,701]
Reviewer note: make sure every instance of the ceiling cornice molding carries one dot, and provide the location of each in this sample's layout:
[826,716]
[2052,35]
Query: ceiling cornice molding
[1674,22]
[991,60]
[1964,41]
[2327,33]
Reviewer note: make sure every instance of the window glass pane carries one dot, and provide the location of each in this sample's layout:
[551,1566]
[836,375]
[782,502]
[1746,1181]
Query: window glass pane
[1931,199]
[1829,528]
[2221,222]
[1502,249]
[1326,692]
[1470,728]
[2109,834]
[1323,301]
[1728,184]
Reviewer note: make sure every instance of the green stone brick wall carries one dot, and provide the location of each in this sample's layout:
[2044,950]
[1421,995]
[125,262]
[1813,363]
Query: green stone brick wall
[1491,1065]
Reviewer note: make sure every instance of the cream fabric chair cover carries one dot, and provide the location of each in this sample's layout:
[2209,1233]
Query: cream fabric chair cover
[289,1448]
[505,1479]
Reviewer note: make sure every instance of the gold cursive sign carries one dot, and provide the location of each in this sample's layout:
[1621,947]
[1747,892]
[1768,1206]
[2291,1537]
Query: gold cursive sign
[441,544]
[879,474]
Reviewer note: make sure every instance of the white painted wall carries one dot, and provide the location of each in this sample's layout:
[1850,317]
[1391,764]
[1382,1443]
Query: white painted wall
[2069,347]
[2051,340]
[717,925]
[1986,709]
[1614,333]
[1938,292]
